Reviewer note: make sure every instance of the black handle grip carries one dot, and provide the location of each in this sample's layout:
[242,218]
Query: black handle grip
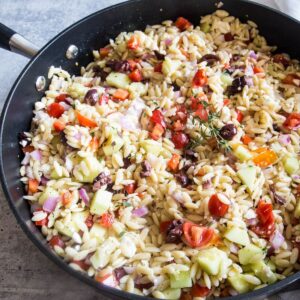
[5,34]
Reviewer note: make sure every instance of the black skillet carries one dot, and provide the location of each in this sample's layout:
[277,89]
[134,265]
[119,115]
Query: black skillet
[93,32]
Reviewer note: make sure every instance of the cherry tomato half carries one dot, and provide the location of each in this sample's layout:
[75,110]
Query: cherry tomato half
[199,291]
[216,207]
[107,220]
[158,118]
[200,79]
[55,110]
[293,121]
[179,139]
[197,236]
[56,241]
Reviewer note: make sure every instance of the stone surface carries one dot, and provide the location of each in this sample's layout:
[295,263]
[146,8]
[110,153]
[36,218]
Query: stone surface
[25,273]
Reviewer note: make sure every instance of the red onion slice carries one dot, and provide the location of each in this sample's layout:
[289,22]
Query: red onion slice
[207,184]
[140,212]
[36,154]
[44,180]
[251,222]
[168,42]
[284,139]
[50,204]
[276,240]
[252,54]
[84,196]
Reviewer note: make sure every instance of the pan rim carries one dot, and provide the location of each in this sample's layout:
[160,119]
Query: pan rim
[108,291]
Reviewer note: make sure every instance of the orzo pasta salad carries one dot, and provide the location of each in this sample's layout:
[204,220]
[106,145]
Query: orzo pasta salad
[170,166]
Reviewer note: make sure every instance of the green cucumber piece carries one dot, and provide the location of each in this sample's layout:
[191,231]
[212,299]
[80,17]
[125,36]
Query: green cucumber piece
[242,153]
[250,254]
[180,280]
[263,272]
[48,192]
[98,232]
[237,235]
[239,283]
[118,80]
[290,164]
[210,260]
[100,202]
[151,146]
[170,66]
[248,177]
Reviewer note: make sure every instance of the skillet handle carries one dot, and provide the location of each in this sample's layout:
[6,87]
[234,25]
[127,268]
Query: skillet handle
[12,41]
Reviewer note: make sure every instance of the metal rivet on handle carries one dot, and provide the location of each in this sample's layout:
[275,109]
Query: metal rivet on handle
[72,52]
[40,83]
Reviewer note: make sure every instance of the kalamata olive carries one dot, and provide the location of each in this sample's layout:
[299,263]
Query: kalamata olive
[210,59]
[182,178]
[119,65]
[91,97]
[158,55]
[237,85]
[99,72]
[228,131]
[228,37]
[146,169]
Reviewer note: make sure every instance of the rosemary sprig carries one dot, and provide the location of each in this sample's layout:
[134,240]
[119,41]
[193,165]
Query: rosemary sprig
[213,131]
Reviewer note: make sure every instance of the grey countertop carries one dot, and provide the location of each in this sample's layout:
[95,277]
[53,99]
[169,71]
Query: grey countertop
[25,273]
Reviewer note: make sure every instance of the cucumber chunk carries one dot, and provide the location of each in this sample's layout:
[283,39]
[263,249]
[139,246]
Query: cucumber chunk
[113,144]
[151,146]
[100,202]
[213,261]
[78,218]
[226,79]
[169,66]
[118,80]
[248,177]
[290,164]
[263,272]
[180,280]
[47,193]
[239,283]
[137,89]
[98,232]
[242,153]
[237,235]
[88,169]
[250,254]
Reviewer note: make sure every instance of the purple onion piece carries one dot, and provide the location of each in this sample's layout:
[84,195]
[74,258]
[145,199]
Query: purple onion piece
[26,159]
[207,184]
[140,212]
[276,240]
[50,204]
[36,155]
[44,180]
[84,196]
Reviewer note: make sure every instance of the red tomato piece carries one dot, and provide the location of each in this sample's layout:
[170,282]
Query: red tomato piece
[84,121]
[199,291]
[81,263]
[178,126]
[132,64]
[164,226]
[200,79]
[61,97]
[202,113]
[89,221]
[103,99]
[292,121]
[226,102]
[157,132]
[43,222]
[130,188]
[55,110]
[158,67]
[266,225]
[216,207]
[59,125]
[180,139]
[136,75]
[174,162]
[197,236]
[181,113]
[104,51]
[107,220]
[56,241]
[239,116]
[133,43]
[108,279]
[158,118]
[182,24]
[292,79]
